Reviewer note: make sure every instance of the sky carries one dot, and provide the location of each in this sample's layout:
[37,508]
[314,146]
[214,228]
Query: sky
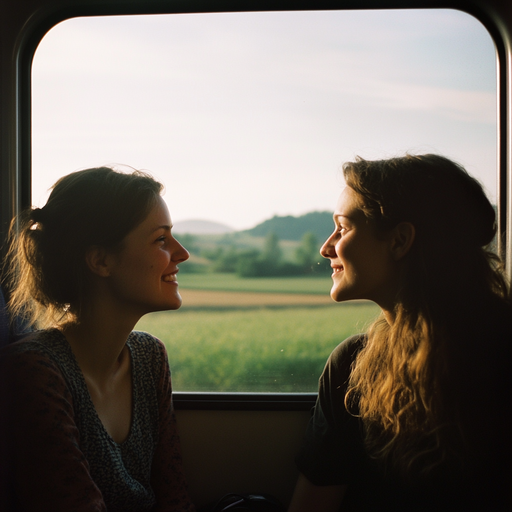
[244,116]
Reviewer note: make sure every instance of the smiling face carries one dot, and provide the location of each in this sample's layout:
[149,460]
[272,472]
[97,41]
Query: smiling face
[362,262]
[143,273]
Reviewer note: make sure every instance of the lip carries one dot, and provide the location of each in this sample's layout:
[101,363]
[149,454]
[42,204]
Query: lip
[336,269]
[170,277]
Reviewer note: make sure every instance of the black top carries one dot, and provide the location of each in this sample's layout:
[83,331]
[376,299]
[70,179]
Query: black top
[333,453]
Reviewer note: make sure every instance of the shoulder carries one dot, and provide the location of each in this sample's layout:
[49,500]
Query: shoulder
[339,366]
[349,347]
[34,349]
[30,373]
[144,342]
[345,353]
[148,351]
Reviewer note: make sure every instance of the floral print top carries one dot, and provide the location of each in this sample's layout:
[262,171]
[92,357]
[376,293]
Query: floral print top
[61,458]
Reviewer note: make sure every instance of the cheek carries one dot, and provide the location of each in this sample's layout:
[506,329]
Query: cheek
[359,257]
[346,251]
[159,261]
[339,249]
[138,268]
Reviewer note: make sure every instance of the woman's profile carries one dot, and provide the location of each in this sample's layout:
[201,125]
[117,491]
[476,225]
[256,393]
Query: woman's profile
[88,422]
[415,414]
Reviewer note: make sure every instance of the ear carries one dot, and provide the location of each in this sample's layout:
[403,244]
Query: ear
[402,239]
[98,261]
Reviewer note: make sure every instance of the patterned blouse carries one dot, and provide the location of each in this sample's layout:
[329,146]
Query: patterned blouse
[62,459]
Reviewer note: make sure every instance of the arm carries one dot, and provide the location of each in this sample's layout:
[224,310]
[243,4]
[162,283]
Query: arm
[48,471]
[309,497]
[167,479]
[331,449]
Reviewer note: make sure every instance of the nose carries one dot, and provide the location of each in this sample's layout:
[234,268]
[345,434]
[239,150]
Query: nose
[327,250]
[179,253]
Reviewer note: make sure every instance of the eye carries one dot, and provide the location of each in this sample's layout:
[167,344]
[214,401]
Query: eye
[161,239]
[339,229]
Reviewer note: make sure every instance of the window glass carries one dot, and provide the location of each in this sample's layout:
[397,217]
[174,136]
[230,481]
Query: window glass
[246,118]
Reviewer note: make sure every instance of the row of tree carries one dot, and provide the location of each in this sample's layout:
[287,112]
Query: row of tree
[268,262]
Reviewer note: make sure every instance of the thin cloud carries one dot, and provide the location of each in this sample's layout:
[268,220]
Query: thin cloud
[251,114]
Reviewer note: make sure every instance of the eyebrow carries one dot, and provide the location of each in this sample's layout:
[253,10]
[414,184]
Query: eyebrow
[166,227]
[335,215]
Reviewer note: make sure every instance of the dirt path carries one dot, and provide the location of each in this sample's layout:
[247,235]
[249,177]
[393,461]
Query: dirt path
[208,298]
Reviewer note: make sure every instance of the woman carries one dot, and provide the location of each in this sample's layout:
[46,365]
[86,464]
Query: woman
[90,423]
[414,415]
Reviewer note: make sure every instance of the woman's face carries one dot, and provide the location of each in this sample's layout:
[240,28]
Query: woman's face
[362,263]
[143,275]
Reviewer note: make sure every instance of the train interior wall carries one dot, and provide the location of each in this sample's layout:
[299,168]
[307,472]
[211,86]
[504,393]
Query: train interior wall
[240,452]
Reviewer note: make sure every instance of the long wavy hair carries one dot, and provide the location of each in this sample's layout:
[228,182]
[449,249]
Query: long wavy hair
[417,383]
[45,266]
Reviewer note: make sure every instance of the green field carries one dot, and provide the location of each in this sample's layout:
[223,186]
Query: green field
[262,349]
[231,282]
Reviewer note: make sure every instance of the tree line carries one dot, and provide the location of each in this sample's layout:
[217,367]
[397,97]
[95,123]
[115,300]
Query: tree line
[268,262]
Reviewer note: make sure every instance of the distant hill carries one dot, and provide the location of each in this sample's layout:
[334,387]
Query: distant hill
[201,227]
[294,228]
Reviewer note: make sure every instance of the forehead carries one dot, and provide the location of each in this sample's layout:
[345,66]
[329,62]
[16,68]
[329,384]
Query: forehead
[348,204]
[160,208]
[158,216]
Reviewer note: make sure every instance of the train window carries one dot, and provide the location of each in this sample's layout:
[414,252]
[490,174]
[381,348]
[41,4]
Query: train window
[247,118]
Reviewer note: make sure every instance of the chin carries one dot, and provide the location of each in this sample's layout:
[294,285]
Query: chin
[174,305]
[169,305]
[338,295]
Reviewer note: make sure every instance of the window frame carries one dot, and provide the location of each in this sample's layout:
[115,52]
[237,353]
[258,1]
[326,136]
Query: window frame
[15,114]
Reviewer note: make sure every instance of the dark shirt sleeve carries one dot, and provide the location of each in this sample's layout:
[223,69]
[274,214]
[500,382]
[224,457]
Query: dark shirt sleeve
[333,449]
[167,479]
[44,466]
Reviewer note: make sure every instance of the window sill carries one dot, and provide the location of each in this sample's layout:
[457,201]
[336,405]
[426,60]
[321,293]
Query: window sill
[244,401]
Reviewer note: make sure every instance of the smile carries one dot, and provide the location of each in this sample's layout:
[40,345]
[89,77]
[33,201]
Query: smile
[169,278]
[336,270]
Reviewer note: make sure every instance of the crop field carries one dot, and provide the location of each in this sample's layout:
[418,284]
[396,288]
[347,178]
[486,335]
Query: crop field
[214,300]
[231,282]
[244,341]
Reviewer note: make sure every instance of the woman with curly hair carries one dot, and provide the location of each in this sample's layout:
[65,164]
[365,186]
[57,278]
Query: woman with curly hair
[415,414]
[87,419]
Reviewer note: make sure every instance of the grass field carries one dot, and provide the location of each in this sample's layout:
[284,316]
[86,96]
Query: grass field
[231,282]
[256,342]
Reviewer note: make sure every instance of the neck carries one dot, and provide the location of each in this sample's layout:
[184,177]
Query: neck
[389,315]
[388,301]
[98,340]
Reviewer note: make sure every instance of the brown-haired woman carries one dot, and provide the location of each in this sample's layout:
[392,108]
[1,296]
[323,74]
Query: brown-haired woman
[88,423]
[415,414]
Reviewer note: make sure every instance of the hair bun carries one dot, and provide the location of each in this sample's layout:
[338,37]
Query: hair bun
[37,215]
[487,229]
